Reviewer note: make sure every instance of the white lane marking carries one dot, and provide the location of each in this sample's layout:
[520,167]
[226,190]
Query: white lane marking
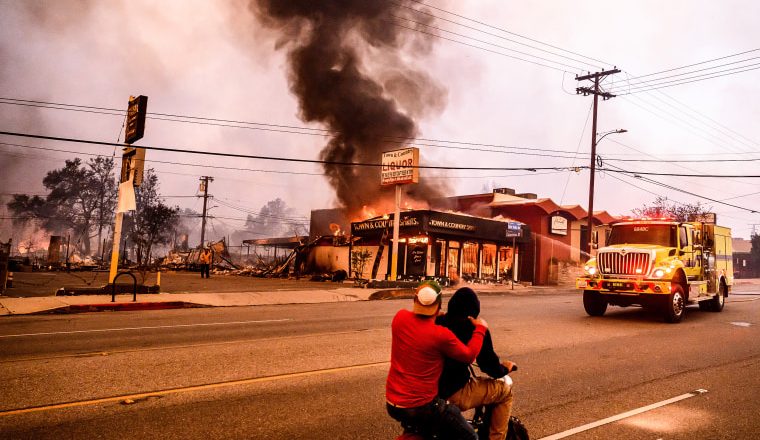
[122,329]
[624,415]
[740,324]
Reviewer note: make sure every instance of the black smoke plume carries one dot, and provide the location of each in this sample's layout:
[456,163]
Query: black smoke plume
[347,71]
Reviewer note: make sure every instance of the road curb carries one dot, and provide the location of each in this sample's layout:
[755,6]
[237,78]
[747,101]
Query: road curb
[392,294]
[119,307]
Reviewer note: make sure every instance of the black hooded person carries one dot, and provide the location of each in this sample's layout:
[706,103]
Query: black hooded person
[457,385]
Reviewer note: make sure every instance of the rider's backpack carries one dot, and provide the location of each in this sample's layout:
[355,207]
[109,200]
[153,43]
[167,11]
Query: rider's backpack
[517,430]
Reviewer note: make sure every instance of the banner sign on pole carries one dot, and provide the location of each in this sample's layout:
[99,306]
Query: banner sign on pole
[400,166]
[136,111]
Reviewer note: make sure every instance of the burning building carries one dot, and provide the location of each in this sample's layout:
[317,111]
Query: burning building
[468,237]
[441,245]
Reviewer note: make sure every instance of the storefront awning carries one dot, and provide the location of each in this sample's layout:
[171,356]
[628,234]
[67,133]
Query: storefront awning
[429,222]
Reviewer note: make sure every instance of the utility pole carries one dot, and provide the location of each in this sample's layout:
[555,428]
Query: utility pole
[754,225]
[205,180]
[596,91]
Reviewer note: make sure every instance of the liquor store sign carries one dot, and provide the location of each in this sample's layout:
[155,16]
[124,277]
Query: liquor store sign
[400,166]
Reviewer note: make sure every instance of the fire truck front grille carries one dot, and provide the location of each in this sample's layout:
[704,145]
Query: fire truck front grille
[632,263]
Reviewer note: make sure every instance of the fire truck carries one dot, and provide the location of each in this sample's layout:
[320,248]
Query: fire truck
[661,265]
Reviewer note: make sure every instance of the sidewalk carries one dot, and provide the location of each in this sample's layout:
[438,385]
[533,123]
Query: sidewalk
[91,303]
[94,303]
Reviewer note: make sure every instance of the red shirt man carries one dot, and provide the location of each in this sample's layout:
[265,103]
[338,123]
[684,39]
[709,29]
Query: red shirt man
[418,349]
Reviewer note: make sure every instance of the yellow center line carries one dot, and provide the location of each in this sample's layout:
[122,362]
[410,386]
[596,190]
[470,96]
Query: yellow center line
[189,389]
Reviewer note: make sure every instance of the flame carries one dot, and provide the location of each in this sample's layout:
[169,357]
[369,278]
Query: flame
[34,240]
[368,212]
[335,228]
[385,208]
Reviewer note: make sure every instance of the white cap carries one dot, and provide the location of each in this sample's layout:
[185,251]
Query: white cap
[426,300]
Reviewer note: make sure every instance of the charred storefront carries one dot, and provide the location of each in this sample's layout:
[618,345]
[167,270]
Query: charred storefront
[437,244]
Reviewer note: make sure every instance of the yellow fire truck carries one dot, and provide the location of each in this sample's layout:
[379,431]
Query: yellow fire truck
[661,265]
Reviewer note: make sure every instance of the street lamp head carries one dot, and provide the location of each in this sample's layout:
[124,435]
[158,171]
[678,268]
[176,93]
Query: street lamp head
[601,136]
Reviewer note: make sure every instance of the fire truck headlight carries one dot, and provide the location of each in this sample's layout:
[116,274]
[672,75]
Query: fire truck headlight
[659,273]
[591,270]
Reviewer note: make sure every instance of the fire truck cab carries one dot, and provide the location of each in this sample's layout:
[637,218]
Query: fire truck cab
[662,265]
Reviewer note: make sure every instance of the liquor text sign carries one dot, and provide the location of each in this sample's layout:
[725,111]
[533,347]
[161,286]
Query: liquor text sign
[400,166]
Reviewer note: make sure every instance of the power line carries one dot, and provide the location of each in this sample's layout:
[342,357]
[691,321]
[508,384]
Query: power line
[578,147]
[288,129]
[658,84]
[258,214]
[571,154]
[273,158]
[497,176]
[362,164]
[677,165]
[716,176]
[660,195]
[646,190]
[702,62]
[683,160]
[591,58]
[702,127]
[711,138]
[496,28]
[476,47]
[647,83]
[724,130]
[242,168]
[664,185]
[251,221]
[485,42]
[164,161]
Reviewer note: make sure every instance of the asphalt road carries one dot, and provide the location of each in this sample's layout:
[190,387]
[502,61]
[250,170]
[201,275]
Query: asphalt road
[318,371]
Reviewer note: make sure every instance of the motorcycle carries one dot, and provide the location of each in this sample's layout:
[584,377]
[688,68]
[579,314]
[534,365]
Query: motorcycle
[480,422]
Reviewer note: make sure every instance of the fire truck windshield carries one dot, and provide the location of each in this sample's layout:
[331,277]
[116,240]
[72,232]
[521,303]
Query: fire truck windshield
[662,235]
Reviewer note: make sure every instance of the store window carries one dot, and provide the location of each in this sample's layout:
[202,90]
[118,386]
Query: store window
[488,269]
[453,261]
[470,260]
[506,257]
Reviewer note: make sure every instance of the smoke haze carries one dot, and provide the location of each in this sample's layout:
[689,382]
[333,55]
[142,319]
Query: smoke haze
[368,108]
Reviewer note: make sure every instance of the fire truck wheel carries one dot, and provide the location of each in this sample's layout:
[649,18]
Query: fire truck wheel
[719,300]
[594,303]
[675,306]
